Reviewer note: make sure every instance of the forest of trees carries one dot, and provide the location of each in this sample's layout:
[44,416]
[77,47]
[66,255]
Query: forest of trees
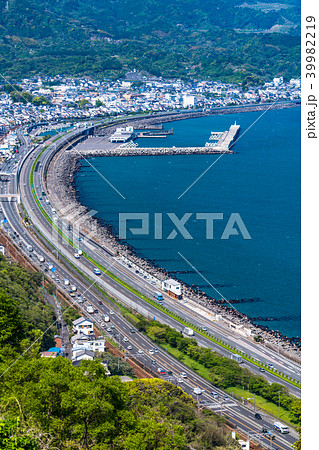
[184,39]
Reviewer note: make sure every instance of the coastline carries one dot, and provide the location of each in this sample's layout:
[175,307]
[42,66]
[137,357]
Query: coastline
[67,163]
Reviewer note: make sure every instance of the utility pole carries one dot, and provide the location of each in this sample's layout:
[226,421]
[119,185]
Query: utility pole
[279,392]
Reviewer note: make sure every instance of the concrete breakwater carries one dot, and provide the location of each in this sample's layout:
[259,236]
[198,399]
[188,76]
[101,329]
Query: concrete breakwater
[147,151]
[63,193]
[100,146]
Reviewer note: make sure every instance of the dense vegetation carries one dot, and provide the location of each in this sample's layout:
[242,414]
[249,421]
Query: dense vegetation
[221,39]
[48,403]
[24,313]
[60,406]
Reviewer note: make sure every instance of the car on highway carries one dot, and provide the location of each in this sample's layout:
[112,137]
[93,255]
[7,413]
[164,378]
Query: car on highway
[151,352]
[109,330]
[153,362]
[132,330]
[261,369]
[97,271]
[214,394]
[197,391]
[140,351]
[76,255]
[125,339]
[183,375]
[225,397]
[161,371]
[204,329]
[155,349]
[268,433]
[129,347]
[111,312]
[180,380]
[100,302]
[258,416]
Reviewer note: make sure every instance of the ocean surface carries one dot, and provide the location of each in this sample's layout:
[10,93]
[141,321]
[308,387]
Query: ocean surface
[254,193]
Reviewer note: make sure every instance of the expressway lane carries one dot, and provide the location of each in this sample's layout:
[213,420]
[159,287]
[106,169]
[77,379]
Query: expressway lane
[241,414]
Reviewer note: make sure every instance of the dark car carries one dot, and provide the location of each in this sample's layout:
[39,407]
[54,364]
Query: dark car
[100,303]
[258,416]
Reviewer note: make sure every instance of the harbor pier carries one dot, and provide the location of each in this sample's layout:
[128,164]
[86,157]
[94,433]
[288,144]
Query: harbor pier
[224,142]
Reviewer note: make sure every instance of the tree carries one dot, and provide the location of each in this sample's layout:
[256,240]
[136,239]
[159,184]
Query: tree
[14,437]
[83,102]
[21,97]
[12,328]
[99,103]
[40,100]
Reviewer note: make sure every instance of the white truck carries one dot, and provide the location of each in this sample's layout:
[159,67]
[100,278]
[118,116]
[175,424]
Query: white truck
[237,358]
[281,427]
[106,318]
[41,258]
[188,331]
[66,282]
[73,288]
[90,309]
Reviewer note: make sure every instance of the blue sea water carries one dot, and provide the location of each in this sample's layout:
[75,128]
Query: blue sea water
[260,183]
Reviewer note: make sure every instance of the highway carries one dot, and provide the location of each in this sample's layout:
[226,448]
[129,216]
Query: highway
[145,286]
[238,413]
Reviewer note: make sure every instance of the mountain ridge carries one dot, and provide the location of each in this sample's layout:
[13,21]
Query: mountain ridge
[169,38]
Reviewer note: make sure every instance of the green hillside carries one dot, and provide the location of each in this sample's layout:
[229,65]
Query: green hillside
[222,39]
[47,403]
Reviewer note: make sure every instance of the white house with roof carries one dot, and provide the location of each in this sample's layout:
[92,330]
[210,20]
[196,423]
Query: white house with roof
[81,341]
[83,326]
[173,288]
